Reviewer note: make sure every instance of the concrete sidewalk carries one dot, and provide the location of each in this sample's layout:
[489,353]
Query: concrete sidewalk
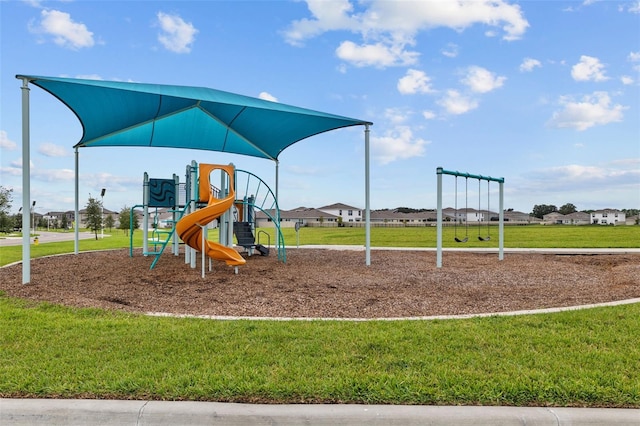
[109,412]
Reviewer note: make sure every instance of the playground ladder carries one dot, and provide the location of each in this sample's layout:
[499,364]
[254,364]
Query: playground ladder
[158,244]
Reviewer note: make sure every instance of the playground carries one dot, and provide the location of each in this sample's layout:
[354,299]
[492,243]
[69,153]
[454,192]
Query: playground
[205,277]
[330,283]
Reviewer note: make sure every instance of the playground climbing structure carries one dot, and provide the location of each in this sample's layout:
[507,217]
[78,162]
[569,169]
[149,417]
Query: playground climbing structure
[199,204]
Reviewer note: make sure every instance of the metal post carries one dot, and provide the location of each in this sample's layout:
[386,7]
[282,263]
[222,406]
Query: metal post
[102,212]
[203,233]
[176,206]
[194,197]
[145,213]
[26,185]
[439,220]
[501,223]
[231,189]
[367,208]
[76,239]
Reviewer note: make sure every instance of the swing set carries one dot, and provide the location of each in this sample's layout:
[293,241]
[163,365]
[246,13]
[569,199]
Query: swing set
[457,217]
[466,211]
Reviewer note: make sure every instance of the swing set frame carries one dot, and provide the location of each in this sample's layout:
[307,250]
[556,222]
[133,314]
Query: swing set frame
[439,172]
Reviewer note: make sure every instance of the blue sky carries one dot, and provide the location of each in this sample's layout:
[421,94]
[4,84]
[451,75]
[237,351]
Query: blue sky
[543,93]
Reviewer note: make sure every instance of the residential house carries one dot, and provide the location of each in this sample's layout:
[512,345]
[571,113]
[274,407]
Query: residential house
[517,217]
[343,211]
[575,218]
[393,217]
[553,218]
[608,217]
[305,216]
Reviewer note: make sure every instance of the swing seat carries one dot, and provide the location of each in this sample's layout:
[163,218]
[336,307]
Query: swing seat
[484,238]
[464,240]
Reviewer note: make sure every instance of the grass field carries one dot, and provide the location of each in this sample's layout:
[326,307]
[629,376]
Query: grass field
[581,358]
[514,237]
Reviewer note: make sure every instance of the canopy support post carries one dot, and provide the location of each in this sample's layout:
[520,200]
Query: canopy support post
[26,185]
[501,224]
[439,220]
[76,219]
[367,198]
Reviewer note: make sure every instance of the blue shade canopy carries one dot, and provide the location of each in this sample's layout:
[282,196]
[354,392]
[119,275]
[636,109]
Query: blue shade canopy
[114,113]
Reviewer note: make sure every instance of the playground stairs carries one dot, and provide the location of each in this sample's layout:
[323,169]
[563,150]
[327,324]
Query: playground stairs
[244,236]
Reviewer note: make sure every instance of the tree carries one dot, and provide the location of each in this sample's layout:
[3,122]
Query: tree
[94,215]
[64,222]
[5,205]
[125,218]
[109,222]
[567,209]
[539,210]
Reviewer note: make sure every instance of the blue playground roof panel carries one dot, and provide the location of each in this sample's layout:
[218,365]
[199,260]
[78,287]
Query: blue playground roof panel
[114,113]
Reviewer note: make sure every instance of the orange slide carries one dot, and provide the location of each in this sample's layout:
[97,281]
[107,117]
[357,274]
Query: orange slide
[189,227]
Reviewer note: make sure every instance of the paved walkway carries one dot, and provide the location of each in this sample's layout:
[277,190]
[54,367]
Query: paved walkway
[48,237]
[48,412]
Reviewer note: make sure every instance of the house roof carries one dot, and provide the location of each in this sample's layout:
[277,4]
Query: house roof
[338,206]
[300,213]
[117,113]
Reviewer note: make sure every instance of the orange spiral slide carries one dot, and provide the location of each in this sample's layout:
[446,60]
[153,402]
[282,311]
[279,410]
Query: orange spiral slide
[189,228]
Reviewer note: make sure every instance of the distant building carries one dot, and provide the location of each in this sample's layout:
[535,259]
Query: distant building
[608,217]
[576,218]
[345,212]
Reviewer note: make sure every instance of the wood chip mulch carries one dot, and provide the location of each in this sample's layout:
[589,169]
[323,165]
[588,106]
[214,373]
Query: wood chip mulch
[329,283]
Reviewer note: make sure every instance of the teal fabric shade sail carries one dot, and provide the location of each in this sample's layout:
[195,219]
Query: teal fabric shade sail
[114,113]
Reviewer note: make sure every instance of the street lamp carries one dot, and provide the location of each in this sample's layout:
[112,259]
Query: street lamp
[102,212]
[33,215]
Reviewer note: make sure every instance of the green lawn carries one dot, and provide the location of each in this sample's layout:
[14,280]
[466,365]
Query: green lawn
[515,237]
[580,358]
[585,358]
[534,236]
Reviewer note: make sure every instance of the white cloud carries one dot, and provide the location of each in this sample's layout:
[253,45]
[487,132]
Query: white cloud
[627,80]
[620,172]
[414,81]
[428,115]
[481,80]
[387,28]
[634,7]
[528,64]
[588,69]
[90,76]
[377,55]
[592,110]
[267,97]
[6,143]
[11,171]
[327,16]
[397,144]
[396,115]
[177,35]
[634,57]
[456,103]
[52,150]
[450,51]
[65,31]
[53,175]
